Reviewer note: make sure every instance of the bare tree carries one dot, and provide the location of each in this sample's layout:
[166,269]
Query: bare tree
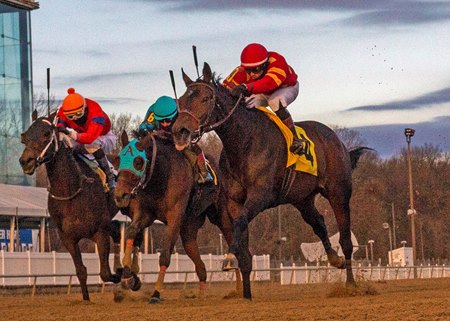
[124,121]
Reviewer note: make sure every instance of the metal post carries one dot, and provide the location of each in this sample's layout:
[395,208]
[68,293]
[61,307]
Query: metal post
[421,241]
[221,243]
[386,226]
[393,225]
[42,236]
[371,250]
[409,132]
[279,232]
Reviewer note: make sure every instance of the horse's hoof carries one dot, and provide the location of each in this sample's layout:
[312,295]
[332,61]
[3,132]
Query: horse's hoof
[136,283]
[337,262]
[154,300]
[119,272]
[115,278]
[230,263]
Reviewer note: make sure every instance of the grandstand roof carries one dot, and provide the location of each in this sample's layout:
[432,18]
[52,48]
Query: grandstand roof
[27,201]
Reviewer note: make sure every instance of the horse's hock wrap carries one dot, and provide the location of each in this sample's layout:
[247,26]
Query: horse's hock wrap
[250,137]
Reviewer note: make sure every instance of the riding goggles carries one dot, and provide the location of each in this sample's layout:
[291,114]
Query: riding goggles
[75,116]
[254,70]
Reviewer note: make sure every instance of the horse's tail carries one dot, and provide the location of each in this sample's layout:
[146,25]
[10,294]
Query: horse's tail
[356,153]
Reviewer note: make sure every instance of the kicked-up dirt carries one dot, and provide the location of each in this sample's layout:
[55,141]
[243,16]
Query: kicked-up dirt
[421,299]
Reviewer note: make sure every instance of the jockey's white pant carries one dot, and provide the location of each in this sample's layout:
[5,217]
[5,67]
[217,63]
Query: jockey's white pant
[283,95]
[106,142]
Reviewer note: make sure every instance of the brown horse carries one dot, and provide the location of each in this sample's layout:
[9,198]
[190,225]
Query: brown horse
[157,183]
[254,170]
[77,203]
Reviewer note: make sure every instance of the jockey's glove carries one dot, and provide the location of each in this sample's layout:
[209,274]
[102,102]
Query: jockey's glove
[237,91]
[73,135]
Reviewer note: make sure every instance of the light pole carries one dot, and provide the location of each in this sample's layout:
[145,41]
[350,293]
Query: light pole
[386,226]
[409,133]
[403,243]
[371,250]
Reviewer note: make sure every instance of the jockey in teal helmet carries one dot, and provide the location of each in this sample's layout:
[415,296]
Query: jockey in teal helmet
[160,116]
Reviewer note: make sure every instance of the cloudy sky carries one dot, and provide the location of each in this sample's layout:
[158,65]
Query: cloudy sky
[375,66]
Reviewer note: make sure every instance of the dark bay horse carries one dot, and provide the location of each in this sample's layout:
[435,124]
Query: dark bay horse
[157,182]
[77,203]
[253,166]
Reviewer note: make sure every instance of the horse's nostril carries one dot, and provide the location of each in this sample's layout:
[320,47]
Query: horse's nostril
[24,161]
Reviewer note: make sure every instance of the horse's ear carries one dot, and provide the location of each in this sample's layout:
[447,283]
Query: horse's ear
[124,138]
[114,159]
[52,116]
[207,73]
[34,115]
[186,78]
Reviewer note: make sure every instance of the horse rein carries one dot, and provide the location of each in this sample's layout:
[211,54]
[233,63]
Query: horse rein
[204,127]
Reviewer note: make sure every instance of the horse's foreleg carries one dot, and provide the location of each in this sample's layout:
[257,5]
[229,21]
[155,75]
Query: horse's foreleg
[115,228]
[80,269]
[137,244]
[102,238]
[117,264]
[130,264]
[245,265]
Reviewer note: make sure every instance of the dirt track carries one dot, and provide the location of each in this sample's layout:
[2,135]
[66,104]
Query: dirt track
[426,299]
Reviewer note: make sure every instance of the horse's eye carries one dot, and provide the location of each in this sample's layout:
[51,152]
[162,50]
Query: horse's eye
[206,99]
[138,163]
[47,134]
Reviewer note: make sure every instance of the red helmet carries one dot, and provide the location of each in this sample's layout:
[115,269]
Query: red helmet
[254,55]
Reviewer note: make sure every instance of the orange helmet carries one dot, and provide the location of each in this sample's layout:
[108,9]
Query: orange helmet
[254,55]
[73,105]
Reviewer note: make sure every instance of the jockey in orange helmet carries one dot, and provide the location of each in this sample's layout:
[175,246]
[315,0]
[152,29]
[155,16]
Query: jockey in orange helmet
[91,129]
[267,80]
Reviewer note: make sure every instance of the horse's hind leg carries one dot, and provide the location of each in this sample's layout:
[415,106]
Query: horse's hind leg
[312,216]
[80,269]
[188,235]
[170,237]
[341,209]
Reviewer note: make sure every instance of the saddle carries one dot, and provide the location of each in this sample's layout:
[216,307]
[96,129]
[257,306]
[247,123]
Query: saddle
[90,161]
[306,162]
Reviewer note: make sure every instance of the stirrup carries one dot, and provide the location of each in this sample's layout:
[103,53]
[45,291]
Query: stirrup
[297,146]
[204,180]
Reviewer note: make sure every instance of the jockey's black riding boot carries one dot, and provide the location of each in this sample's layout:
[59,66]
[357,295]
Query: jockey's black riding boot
[297,142]
[100,157]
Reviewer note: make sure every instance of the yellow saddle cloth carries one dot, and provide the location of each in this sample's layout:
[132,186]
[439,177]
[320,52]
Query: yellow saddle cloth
[304,163]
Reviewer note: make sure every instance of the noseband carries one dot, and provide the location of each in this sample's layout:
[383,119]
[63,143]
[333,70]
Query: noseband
[205,126]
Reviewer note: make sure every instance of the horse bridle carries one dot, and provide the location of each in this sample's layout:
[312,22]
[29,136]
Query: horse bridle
[204,126]
[148,170]
[44,158]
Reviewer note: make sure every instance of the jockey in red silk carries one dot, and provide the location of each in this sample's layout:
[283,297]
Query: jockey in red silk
[266,79]
[91,129]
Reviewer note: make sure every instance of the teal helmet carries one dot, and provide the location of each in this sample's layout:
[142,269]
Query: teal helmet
[164,108]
